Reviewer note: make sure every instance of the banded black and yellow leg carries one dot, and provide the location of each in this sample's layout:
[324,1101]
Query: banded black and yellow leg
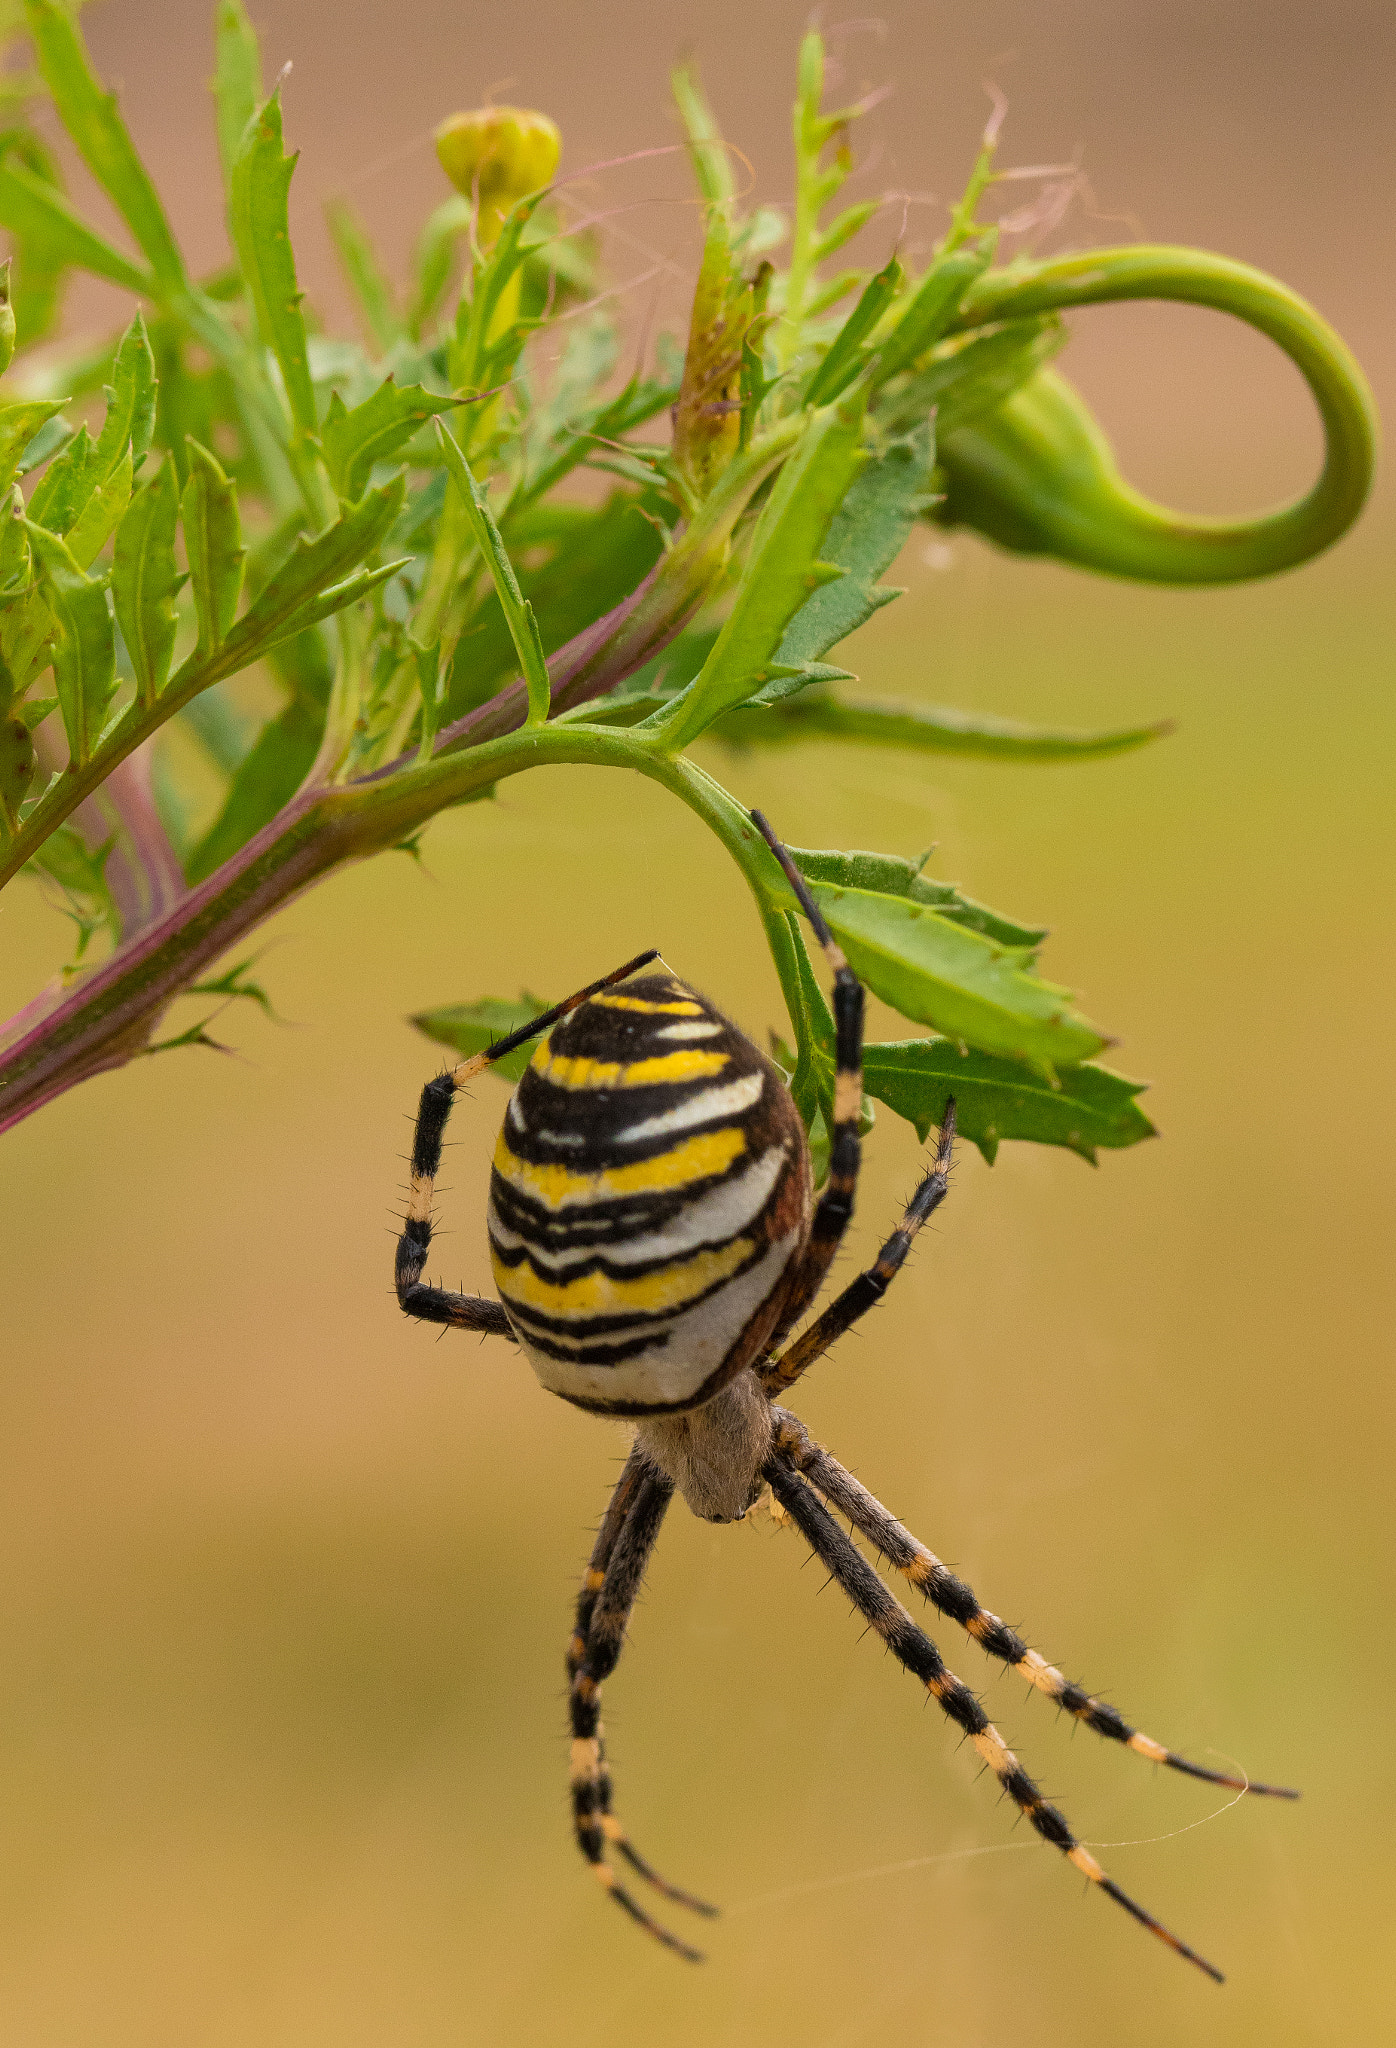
[919,1655]
[780,1373]
[630,1536]
[835,1206]
[436,1304]
[594,1578]
[947,1592]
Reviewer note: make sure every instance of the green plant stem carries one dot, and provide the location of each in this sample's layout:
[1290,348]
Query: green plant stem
[109,1017]
[1109,525]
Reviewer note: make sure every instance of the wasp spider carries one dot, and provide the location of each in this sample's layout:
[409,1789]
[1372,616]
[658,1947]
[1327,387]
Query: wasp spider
[655,1239]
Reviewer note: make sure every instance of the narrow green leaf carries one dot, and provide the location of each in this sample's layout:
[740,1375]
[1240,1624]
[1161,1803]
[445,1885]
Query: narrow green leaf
[371,291]
[213,544]
[145,578]
[843,227]
[932,306]
[523,627]
[973,380]
[776,579]
[473,1027]
[847,353]
[937,972]
[788,679]
[84,653]
[433,259]
[237,80]
[374,431]
[131,395]
[712,161]
[37,213]
[18,426]
[80,872]
[890,875]
[261,179]
[865,536]
[997,1099]
[91,118]
[101,515]
[928,729]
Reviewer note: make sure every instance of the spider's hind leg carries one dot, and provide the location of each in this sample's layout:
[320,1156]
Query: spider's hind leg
[609,1589]
[915,1651]
[948,1592]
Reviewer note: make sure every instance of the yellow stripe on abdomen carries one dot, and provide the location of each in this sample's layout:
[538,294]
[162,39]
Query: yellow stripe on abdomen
[558,1187]
[598,1295]
[670,1067]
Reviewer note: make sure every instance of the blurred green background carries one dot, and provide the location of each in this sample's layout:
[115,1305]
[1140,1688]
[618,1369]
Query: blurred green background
[286,1582]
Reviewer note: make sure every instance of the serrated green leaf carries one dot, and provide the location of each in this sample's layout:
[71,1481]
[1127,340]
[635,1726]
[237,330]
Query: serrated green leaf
[89,114]
[261,178]
[84,652]
[213,545]
[37,214]
[374,431]
[65,486]
[523,626]
[997,1099]
[144,580]
[927,729]
[788,679]
[775,579]
[316,579]
[369,287]
[473,1027]
[971,988]
[101,515]
[237,80]
[130,397]
[890,875]
[865,536]
[18,426]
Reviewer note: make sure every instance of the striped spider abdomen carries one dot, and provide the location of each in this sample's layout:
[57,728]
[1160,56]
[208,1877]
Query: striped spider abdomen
[649,1201]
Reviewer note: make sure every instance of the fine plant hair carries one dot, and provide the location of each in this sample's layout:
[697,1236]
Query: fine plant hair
[356,580]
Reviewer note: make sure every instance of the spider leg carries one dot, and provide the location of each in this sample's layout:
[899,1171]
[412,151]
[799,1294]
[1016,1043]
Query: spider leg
[435,1304]
[780,1373]
[835,1206]
[623,1545]
[918,1654]
[953,1597]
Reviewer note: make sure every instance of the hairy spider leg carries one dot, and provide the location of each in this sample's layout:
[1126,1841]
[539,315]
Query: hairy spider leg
[631,1534]
[915,1651]
[835,1206]
[778,1374]
[437,1304]
[594,1578]
[949,1593]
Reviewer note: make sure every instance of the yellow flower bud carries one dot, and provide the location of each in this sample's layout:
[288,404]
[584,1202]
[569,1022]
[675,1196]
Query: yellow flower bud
[496,155]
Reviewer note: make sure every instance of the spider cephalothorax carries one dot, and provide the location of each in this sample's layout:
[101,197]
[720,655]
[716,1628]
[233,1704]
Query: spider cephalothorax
[655,1239]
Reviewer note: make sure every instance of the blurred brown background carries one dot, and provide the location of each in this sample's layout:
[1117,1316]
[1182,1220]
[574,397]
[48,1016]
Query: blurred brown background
[286,1583]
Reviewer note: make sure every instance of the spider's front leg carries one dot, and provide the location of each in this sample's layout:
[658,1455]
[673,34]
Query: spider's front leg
[612,1582]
